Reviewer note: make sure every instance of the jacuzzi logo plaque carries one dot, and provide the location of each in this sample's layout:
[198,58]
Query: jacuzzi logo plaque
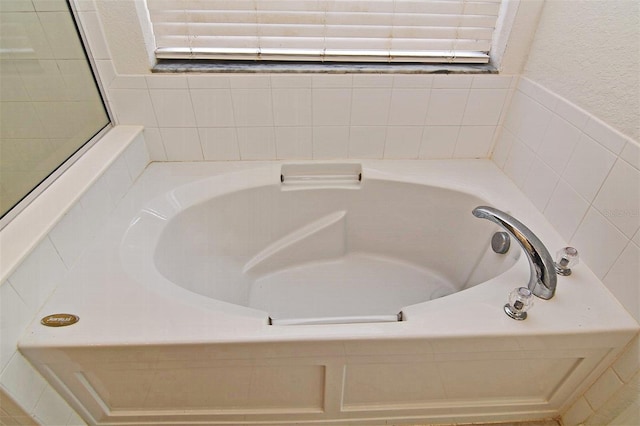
[59,320]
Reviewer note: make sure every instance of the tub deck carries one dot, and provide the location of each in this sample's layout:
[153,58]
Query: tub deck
[143,355]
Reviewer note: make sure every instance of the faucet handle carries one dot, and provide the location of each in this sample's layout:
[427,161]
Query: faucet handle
[520,301]
[566,258]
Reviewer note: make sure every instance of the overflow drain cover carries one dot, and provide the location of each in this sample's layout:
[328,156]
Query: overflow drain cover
[59,320]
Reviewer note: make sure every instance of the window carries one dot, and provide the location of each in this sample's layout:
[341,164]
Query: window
[423,31]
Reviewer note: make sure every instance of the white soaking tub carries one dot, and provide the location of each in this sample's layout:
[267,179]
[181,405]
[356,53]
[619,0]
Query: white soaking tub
[320,293]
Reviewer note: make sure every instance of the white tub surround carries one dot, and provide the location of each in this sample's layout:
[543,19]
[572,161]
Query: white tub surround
[43,242]
[452,359]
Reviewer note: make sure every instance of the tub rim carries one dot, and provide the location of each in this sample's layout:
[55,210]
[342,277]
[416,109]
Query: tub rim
[479,310]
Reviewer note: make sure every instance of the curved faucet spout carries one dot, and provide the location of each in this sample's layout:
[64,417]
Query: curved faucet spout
[542,281]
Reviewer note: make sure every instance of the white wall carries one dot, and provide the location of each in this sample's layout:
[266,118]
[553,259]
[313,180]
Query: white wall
[588,51]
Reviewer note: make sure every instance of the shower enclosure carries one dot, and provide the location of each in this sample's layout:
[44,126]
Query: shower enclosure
[51,107]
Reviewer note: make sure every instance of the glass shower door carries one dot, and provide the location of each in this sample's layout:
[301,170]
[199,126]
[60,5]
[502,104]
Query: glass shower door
[50,104]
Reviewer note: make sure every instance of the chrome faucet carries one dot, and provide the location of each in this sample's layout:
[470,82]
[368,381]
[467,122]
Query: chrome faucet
[542,281]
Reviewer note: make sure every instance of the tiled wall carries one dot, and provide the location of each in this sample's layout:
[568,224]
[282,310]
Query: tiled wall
[585,177]
[312,116]
[25,291]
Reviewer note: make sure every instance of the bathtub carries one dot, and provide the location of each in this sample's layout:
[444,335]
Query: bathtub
[319,293]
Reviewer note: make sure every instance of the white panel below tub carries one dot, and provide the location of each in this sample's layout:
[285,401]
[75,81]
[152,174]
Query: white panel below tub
[293,382]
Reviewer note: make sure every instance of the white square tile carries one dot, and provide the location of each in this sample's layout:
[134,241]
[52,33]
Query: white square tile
[154,144]
[438,142]
[418,81]
[292,106]
[515,112]
[14,317]
[97,206]
[370,106]
[403,142]
[331,107]
[133,106]
[631,154]
[166,81]
[208,81]
[546,97]
[39,274]
[452,81]
[565,210]
[118,179]
[599,242]
[503,147]
[573,114]
[213,107]
[605,135]
[330,142]
[534,123]
[137,157]
[519,162]
[219,144]
[446,106]
[527,86]
[491,81]
[367,141]
[106,72]
[181,144]
[539,93]
[252,107]
[94,34]
[474,142]
[250,81]
[619,198]
[373,80]
[623,280]
[23,382]
[408,106]
[85,5]
[603,389]
[484,107]
[173,107]
[540,184]
[294,143]
[588,167]
[129,82]
[290,81]
[70,236]
[332,80]
[257,143]
[558,143]
[51,409]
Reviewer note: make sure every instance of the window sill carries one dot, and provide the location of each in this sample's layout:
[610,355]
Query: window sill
[187,66]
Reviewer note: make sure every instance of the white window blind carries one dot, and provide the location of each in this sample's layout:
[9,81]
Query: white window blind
[445,31]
